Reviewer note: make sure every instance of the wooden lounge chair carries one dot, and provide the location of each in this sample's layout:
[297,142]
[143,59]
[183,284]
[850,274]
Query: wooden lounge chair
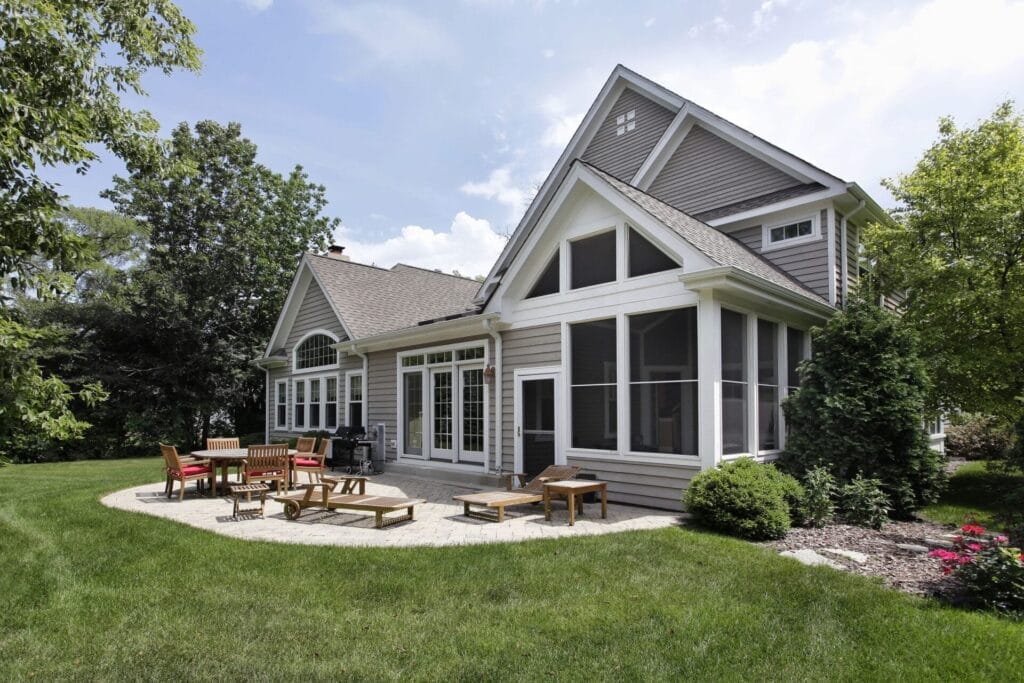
[311,463]
[267,463]
[493,503]
[183,472]
[331,498]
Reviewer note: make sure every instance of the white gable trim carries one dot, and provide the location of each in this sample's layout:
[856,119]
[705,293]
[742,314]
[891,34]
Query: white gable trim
[293,302]
[691,114]
[678,246]
[619,80]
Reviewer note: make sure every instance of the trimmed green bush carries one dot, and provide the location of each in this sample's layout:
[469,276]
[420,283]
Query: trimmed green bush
[978,437]
[864,503]
[741,498]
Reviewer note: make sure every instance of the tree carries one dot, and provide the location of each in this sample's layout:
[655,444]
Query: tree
[957,249]
[225,234]
[63,66]
[859,408]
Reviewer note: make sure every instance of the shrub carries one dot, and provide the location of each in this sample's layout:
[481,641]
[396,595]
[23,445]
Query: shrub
[859,408]
[978,437]
[864,503]
[819,490]
[794,495]
[741,498]
[990,571]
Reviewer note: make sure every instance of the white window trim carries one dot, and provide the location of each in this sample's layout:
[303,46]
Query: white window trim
[425,369]
[280,426]
[348,395]
[322,405]
[319,368]
[768,245]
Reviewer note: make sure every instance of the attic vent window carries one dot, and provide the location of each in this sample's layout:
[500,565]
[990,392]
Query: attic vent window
[625,122]
[793,232]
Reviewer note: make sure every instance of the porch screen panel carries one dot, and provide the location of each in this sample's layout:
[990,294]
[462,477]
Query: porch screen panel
[663,382]
[795,341]
[594,376]
[734,382]
[412,392]
[767,386]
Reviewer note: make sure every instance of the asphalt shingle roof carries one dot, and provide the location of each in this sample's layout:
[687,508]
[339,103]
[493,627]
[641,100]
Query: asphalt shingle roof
[716,245]
[374,300]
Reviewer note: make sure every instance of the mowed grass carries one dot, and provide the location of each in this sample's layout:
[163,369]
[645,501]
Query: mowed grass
[94,593]
[973,491]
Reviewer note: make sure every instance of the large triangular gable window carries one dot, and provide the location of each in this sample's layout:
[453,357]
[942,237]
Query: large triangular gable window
[547,283]
[645,258]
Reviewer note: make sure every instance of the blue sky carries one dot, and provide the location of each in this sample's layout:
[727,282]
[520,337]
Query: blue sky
[431,123]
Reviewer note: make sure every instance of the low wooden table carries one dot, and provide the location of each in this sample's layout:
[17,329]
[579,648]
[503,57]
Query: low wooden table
[571,489]
[237,490]
[494,503]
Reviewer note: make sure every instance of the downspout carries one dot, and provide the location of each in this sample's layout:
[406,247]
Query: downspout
[366,392]
[496,336]
[270,406]
[846,259]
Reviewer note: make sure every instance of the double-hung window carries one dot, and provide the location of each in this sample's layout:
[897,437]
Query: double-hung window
[663,382]
[354,400]
[594,377]
[281,405]
[299,392]
[331,403]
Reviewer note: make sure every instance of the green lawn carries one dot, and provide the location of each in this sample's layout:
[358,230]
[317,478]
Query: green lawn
[974,491]
[90,592]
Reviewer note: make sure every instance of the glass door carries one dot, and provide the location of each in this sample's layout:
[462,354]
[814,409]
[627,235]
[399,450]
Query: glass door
[412,414]
[471,415]
[442,394]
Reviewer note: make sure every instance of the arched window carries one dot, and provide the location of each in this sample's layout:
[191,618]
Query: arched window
[315,352]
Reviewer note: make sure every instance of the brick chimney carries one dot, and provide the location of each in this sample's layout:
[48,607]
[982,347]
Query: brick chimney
[336,251]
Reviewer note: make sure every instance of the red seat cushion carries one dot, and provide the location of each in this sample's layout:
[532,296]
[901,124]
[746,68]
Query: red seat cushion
[258,473]
[305,462]
[189,470]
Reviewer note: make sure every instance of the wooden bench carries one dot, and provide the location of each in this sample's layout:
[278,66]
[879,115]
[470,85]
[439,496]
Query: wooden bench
[494,503]
[237,490]
[328,499]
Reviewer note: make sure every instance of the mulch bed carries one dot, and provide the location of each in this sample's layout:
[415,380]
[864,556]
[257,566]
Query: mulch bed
[909,571]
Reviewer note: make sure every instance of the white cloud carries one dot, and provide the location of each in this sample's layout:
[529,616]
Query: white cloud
[470,246]
[257,5]
[865,103]
[500,188]
[649,22]
[764,17]
[718,25]
[548,53]
[560,123]
[388,34]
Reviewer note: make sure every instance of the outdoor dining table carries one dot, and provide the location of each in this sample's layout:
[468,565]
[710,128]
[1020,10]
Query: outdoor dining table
[226,457]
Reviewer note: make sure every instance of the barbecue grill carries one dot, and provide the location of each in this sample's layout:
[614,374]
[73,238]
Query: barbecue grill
[344,444]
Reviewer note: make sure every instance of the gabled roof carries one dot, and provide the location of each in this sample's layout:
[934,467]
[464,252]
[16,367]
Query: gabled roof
[372,300]
[716,245]
[686,111]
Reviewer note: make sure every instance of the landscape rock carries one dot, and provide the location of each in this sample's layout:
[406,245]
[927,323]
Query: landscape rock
[912,547]
[853,555]
[938,543]
[811,558]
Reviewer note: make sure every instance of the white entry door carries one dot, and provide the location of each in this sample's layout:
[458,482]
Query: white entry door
[442,414]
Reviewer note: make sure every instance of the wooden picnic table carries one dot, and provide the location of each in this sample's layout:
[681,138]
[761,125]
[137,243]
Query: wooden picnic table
[227,457]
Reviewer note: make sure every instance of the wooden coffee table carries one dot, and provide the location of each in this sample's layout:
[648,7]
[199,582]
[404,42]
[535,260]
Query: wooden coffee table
[493,503]
[238,490]
[571,488]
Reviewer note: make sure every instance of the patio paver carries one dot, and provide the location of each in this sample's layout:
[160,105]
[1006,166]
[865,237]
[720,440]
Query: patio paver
[439,521]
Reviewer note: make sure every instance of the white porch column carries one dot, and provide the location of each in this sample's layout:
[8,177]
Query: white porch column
[709,374]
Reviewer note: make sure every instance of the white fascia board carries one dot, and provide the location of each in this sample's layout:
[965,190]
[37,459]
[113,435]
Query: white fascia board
[439,331]
[813,198]
[291,303]
[727,278]
[870,205]
[620,78]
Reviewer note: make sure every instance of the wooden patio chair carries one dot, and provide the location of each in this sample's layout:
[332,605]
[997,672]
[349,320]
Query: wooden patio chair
[305,445]
[493,503]
[223,442]
[312,463]
[266,463]
[177,470]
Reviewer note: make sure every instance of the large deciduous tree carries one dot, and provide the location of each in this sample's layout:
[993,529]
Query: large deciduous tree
[63,68]
[225,233]
[957,250]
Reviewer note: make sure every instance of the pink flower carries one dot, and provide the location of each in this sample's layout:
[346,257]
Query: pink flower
[974,546]
[972,529]
[1001,539]
[943,555]
[958,539]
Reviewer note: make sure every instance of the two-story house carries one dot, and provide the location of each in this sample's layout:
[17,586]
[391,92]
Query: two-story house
[644,320]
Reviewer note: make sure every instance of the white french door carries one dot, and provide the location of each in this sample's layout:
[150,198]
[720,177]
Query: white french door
[442,414]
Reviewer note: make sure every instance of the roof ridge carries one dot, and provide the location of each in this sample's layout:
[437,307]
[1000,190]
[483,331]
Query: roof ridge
[349,263]
[433,272]
[760,257]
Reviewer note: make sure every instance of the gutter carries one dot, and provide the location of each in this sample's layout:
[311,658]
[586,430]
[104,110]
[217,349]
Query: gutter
[366,394]
[489,325]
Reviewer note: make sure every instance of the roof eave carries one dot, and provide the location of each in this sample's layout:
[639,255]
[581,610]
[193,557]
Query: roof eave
[730,278]
[438,331]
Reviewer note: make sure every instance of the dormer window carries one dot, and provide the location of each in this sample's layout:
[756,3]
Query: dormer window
[791,232]
[625,122]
